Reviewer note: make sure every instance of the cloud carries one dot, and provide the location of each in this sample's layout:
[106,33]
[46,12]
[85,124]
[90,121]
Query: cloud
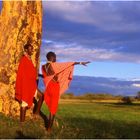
[136,79]
[91,30]
[110,16]
[109,28]
[75,52]
[136,85]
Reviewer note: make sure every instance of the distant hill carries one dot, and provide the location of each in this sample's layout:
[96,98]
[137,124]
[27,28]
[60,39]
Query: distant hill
[85,84]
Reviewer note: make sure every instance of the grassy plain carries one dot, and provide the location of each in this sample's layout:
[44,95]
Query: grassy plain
[80,119]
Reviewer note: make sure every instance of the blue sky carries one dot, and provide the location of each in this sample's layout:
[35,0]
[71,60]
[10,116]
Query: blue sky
[105,33]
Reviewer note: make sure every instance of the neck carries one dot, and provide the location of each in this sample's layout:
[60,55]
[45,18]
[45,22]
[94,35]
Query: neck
[49,61]
[27,55]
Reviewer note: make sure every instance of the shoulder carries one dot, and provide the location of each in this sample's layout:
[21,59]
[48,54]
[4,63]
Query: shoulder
[22,59]
[44,66]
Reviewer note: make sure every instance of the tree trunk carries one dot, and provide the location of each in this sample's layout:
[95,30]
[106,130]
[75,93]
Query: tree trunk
[20,22]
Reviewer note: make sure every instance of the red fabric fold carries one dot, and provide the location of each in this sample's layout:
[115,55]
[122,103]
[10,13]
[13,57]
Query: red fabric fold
[54,89]
[51,96]
[65,74]
[26,81]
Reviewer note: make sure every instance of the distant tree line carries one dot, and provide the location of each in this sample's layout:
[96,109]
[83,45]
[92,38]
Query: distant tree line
[100,96]
[103,96]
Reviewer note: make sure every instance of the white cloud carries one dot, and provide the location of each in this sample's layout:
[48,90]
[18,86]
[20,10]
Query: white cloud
[136,85]
[135,79]
[75,52]
[46,41]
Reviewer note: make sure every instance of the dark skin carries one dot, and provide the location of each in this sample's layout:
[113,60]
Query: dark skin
[29,51]
[51,72]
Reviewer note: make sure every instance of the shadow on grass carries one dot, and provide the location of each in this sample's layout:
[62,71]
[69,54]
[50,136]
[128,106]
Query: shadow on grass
[20,135]
[129,104]
[120,104]
[94,128]
[43,116]
[45,119]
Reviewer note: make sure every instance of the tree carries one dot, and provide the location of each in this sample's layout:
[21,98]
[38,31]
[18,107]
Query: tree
[138,95]
[20,22]
[127,100]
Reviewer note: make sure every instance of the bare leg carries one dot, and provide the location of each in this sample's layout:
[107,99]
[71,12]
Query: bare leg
[22,114]
[22,117]
[50,123]
[39,104]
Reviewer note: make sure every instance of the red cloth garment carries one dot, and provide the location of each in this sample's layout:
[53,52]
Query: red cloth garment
[54,89]
[65,74]
[51,96]
[26,81]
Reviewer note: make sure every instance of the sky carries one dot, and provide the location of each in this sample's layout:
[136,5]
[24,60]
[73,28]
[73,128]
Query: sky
[103,32]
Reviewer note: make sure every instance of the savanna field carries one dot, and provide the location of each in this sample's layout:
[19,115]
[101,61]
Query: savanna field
[80,119]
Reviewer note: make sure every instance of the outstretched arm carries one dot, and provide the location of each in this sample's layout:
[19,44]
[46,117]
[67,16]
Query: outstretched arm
[81,63]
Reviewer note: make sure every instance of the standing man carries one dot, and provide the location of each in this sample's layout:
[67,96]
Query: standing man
[26,83]
[57,77]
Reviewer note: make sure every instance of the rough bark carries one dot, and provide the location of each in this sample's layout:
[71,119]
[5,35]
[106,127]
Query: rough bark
[20,22]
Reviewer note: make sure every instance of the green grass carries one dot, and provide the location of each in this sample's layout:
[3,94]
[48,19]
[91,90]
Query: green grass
[78,119]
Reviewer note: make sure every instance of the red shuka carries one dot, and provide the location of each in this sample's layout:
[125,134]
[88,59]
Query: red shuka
[26,81]
[55,89]
[51,96]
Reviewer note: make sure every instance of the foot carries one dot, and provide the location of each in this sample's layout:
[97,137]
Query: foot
[56,123]
[36,116]
[21,125]
[49,130]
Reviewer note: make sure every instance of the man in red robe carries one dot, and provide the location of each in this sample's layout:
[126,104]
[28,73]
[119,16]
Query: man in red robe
[57,77]
[26,82]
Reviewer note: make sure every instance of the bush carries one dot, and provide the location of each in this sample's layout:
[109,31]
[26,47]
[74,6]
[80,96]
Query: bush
[67,96]
[138,96]
[127,100]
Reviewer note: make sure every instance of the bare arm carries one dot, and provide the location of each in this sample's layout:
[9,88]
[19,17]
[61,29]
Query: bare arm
[81,63]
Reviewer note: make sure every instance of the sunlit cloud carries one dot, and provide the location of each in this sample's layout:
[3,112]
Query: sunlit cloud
[111,29]
[136,85]
[75,52]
